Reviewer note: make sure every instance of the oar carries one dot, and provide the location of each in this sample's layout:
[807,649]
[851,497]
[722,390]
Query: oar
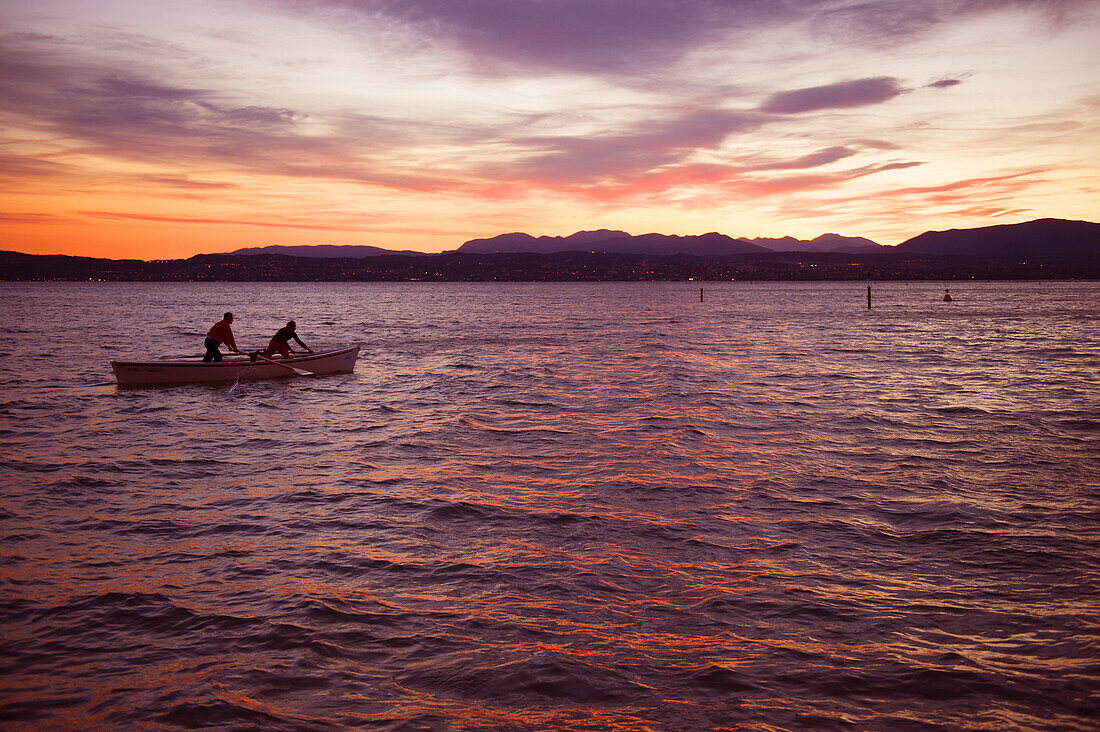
[300,372]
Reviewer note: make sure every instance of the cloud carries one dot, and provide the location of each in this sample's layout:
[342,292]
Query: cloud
[989,211]
[813,160]
[33,218]
[172,181]
[639,149]
[62,90]
[134,88]
[964,187]
[877,144]
[200,127]
[783,185]
[969,200]
[121,216]
[969,196]
[200,133]
[889,22]
[94,100]
[577,36]
[632,38]
[707,186]
[945,83]
[855,93]
[25,167]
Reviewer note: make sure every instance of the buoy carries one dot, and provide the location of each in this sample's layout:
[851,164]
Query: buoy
[947,295]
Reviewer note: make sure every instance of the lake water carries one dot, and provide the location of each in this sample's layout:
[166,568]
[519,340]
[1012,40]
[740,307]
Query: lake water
[574,506]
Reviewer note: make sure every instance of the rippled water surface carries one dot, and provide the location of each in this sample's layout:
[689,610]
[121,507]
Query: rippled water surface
[556,506]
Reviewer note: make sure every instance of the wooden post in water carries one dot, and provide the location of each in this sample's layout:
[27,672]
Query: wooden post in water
[700,294]
[868,297]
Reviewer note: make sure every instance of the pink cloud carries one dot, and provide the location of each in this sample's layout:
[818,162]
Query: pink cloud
[970,197]
[709,184]
[1009,182]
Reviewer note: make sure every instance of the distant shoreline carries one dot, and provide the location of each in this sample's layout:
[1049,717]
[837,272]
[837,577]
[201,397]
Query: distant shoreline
[1038,249]
[559,267]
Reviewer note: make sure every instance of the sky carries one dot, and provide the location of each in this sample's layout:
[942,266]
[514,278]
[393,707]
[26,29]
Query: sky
[152,129]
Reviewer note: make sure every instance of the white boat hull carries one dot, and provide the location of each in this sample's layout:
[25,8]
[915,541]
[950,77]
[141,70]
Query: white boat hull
[232,368]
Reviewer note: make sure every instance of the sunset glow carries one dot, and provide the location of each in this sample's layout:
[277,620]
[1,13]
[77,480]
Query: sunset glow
[160,130]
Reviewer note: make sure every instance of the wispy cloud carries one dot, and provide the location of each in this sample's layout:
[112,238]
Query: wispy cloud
[187,183]
[117,112]
[978,197]
[698,186]
[640,149]
[753,187]
[33,218]
[629,37]
[813,160]
[310,225]
[966,186]
[15,168]
[551,36]
[886,22]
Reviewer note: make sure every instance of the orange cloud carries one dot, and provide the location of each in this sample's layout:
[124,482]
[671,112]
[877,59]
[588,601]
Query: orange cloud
[313,226]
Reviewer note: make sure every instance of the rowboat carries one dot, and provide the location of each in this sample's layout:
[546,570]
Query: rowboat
[187,370]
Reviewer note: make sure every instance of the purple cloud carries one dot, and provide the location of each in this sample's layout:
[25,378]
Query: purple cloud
[136,112]
[22,167]
[628,37]
[147,117]
[639,150]
[879,22]
[856,93]
[77,96]
[586,36]
[813,160]
[133,88]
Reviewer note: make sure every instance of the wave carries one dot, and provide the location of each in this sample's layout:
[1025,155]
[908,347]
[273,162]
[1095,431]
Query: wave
[561,512]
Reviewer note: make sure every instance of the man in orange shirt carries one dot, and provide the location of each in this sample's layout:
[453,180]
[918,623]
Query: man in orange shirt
[220,333]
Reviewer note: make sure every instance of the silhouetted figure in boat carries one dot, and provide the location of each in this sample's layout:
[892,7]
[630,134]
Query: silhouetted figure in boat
[220,333]
[947,295]
[280,342]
